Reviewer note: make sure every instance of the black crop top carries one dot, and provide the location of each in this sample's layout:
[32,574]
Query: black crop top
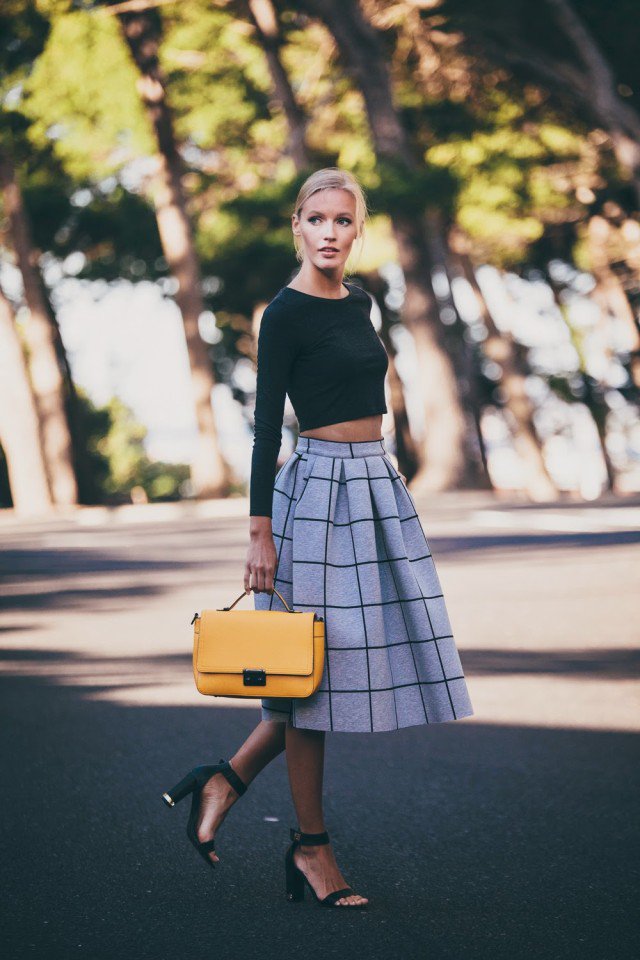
[323,352]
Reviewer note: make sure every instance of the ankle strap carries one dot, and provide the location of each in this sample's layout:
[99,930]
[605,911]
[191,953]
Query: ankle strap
[227,771]
[309,839]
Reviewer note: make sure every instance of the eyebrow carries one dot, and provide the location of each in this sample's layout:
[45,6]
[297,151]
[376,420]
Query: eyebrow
[345,213]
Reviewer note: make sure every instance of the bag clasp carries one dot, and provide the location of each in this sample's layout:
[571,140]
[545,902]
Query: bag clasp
[254,678]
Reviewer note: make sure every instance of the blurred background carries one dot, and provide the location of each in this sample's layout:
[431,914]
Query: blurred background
[150,154]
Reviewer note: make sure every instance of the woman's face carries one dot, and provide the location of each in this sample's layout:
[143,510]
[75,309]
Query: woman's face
[327,227]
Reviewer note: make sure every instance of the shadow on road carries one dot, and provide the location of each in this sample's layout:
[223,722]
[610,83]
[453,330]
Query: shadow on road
[471,840]
[474,841]
[601,663]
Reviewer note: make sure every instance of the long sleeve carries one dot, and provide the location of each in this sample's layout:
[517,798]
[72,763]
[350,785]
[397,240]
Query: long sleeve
[277,348]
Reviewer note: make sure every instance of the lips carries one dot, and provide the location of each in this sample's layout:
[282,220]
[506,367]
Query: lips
[328,249]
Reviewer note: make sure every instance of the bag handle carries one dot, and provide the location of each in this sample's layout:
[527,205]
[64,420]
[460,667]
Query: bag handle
[244,593]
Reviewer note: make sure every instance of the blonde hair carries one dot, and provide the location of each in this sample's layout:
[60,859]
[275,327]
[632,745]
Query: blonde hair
[332,178]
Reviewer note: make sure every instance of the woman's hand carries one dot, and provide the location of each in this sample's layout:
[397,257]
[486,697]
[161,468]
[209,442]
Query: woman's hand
[262,558]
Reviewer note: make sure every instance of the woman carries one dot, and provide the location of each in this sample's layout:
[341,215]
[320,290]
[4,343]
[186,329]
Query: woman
[336,531]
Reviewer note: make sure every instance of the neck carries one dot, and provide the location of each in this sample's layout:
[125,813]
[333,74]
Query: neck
[319,283]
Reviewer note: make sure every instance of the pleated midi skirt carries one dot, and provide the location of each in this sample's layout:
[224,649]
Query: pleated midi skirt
[350,547]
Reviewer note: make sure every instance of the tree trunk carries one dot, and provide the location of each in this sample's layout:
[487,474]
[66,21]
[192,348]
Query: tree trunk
[366,62]
[630,237]
[209,473]
[442,460]
[609,293]
[265,19]
[44,367]
[406,452]
[476,474]
[593,390]
[19,427]
[501,348]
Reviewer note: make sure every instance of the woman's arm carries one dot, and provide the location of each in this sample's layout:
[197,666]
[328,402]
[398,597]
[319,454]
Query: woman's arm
[277,347]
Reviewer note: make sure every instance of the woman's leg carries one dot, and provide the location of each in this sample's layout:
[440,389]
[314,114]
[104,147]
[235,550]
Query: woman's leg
[263,744]
[305,763]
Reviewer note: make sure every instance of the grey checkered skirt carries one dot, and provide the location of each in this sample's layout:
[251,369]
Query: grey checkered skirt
[350,546]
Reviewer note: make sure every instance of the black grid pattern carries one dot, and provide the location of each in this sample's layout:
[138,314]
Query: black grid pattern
[351,547]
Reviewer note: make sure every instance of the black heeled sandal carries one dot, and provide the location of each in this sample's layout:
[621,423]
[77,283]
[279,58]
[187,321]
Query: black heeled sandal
[193,784]
[296,879]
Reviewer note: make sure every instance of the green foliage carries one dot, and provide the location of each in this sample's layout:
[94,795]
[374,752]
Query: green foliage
[337,129]
[496,158]
[218,79]
[46,189]
[394,189]
[92,468]
[250,228]
[116,459]
[23,33]
[122,446]
[507,170]
[117,231]
[82,96]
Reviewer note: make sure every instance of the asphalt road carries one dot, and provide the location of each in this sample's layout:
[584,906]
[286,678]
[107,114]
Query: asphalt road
[510,834]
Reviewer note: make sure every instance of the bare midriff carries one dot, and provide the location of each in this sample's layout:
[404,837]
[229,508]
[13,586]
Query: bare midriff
[364,428]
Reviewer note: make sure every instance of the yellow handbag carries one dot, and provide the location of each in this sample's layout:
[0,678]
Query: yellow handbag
[258,653]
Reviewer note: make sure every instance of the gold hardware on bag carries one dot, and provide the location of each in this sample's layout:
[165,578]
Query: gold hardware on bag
[244,593]
[258,653]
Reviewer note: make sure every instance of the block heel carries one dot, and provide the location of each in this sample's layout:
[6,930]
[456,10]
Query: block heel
[192,784]
[181,790]
[296,879]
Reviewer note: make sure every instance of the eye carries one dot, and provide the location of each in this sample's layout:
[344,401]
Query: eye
[341,219]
